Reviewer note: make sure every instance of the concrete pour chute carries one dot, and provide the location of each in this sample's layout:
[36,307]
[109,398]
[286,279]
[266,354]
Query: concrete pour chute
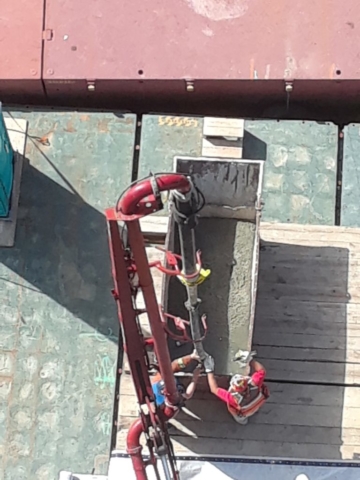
[227,235]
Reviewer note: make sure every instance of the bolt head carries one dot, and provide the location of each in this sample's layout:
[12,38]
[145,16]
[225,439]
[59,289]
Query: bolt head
[91,88]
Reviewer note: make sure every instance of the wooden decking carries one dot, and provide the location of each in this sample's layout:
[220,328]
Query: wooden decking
[307,333]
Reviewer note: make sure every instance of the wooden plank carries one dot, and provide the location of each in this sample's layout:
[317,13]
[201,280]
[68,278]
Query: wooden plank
[186,444]
[154,229]
[305,354]
[350,452]
[269,309]
[270,414]
[284,253]
[17,131]
[302,231]
[154,224]
[263,449]
[283,394]
[310,318]
[263,432]
[270,337]
[325,372]
[305,327]
[326,235]
[310,292]
[302,425]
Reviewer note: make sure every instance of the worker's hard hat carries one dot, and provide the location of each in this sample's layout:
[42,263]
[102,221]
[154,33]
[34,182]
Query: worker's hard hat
[239,382]
[159,390]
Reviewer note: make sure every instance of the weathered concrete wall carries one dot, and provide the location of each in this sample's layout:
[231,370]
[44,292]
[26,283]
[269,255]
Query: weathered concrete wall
[232,187]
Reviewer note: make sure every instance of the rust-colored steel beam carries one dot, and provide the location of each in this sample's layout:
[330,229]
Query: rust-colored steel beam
[241,56]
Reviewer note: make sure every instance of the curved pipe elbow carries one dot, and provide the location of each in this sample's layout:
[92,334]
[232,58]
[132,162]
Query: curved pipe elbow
[129,203]
[133,445]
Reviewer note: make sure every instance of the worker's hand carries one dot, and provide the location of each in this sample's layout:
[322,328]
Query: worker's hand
[244,357]
[209,364]
[196,373]
[195,356]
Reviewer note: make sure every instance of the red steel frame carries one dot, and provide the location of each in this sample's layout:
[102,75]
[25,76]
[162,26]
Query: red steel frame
[139,200]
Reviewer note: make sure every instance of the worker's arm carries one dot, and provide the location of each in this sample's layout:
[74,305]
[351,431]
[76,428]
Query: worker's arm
[257,366]
[192,385]
[221,393]
[258,377]
[212,383]
[183,362]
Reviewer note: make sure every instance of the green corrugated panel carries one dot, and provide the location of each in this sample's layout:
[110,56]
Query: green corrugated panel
[350,196]
[163,137]
[59,328]
[300,171]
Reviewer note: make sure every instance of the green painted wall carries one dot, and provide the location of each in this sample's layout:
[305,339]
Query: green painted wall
[300,171]
[59,332]
[350,194]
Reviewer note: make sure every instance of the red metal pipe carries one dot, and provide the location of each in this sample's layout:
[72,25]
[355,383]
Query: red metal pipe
[134,449]
[137,246]
[127,315]
[129,202]
[133,445]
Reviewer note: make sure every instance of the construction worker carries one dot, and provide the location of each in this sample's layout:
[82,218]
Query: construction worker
[177,365]
[246,394]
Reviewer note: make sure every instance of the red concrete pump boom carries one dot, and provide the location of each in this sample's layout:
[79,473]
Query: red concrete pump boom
[131,272]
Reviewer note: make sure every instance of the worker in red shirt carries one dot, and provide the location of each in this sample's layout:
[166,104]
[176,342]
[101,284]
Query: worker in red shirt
[177,365]
[246,394]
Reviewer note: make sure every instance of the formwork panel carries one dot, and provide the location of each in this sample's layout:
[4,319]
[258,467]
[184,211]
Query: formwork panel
[350,192]
[59,323]
[198,39]
[300,161]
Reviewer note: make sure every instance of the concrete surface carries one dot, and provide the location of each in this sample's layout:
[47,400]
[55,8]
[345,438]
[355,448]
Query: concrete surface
[227,247]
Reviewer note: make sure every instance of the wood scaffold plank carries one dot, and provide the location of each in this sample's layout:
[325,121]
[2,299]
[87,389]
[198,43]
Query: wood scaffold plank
[307,331]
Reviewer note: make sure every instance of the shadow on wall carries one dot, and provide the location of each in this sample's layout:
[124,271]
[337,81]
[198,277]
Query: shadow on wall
[253,147]
[301,337]
[61,250]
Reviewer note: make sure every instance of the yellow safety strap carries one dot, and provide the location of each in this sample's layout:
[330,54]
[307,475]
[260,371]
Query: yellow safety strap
[203,275]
